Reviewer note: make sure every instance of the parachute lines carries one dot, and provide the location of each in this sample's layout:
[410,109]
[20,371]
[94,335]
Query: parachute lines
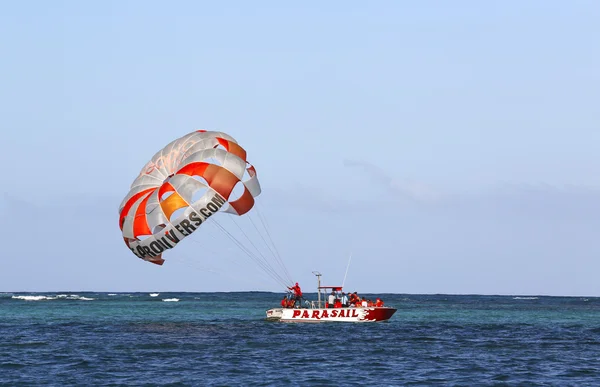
[262,263]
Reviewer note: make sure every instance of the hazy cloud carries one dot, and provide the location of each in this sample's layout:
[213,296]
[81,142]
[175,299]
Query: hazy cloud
[405,189]
[541,201]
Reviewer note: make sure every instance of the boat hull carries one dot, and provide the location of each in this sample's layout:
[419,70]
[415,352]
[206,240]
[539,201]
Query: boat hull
[368,314]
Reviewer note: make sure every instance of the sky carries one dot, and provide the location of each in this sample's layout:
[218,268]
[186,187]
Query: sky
[435,147]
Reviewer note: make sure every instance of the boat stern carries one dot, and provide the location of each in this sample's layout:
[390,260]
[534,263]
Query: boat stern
[274,314]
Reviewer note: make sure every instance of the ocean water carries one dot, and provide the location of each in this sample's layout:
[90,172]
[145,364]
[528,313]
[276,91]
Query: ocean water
[222,339]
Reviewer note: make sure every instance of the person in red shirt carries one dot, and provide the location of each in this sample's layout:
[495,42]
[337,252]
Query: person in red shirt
[297,291]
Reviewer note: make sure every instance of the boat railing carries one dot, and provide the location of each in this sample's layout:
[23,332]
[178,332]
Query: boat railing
[317,304]
[310,304]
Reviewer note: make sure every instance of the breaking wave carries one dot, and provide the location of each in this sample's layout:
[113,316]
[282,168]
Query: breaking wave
[525,298]
[171,299]
[56,297]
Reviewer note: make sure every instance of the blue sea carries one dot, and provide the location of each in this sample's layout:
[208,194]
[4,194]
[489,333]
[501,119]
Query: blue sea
[223,339]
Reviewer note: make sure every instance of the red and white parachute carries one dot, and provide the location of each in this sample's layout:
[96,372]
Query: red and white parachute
[183,185]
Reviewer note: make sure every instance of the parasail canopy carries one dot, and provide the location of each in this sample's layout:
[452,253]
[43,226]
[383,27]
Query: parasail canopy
[185,183]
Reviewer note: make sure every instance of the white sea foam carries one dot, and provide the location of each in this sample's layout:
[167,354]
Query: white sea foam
[525,298]
[74,297]
[170,299]
[58,296]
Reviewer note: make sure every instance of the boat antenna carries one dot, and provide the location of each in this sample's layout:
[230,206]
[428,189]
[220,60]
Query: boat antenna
[318,287]
[349,259]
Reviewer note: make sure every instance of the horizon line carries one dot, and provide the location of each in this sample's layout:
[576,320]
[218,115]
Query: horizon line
[279,292]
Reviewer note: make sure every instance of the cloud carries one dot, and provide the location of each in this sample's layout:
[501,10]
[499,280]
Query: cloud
[403,189]
[303,197]
[504,202]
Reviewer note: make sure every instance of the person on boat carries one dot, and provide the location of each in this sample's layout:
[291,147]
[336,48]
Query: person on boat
[297,291]
[331,300]
[378,302]
[364,303]
[355,299]
[284,302]
[344,300]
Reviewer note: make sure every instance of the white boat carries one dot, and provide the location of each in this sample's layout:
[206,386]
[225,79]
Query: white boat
[319,311]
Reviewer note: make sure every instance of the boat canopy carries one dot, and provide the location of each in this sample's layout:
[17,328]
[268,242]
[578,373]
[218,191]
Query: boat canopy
[336,288]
